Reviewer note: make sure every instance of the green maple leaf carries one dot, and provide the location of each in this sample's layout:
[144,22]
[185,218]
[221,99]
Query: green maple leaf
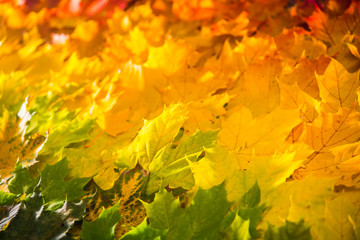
[22,183]
[170,165]
[72,132]
[247,216]
[53,186]
[104,226]
[145,232]
[6,198]
[64,126]
[249,209]
[153,136]
[289,231]
[201,220]
[238,230]
[251,198]
[29,219]
[162,210]
[46,114]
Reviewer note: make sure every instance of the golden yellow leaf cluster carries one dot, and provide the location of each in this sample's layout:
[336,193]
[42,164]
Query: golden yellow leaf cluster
[114,87]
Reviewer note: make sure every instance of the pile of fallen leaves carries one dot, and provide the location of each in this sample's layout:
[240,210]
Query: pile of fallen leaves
[181,119]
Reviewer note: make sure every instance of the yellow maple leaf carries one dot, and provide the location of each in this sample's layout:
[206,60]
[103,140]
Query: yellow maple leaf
[304,74]
[331,130]
[86,31]
[337,87]
[325,133]
[226,62]
[292,97]
[205,115]
[296,200]
[124,99]
[245,136]
[138,45]
[191,85]
[254,48]
[214,168]
[171,57]
[342,163]
[340,218]
[87,38]
[295,43]
[258,89]
[235,27]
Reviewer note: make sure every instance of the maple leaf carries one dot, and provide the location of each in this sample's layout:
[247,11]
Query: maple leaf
[97,158]
[47,114]
[144,232]
[295,43]
[292,97]
[239,229]
[21,182]
[340,162]
[131,209]
[234,27]
[219,165]
[252,49]
[53,186]
[349,56]
[304,74]
[87,35]
[326,132]
[340,218]
[267,17]
[245,135]
[289,231]
[137,44]
[15,146]
[205,115]
[226,62]
[260,91]
[333,29]
[30,219]
[163,58]
[194,10]
[12,91]
[214,168]
[6,198]
[332,130]
[337,87]
[298,200]
[104,226]
[125,99]
[171,164]
[71,132]
[250,210]
[153,136]
[31,55]
[270,172]
[200,220]
[181,86]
